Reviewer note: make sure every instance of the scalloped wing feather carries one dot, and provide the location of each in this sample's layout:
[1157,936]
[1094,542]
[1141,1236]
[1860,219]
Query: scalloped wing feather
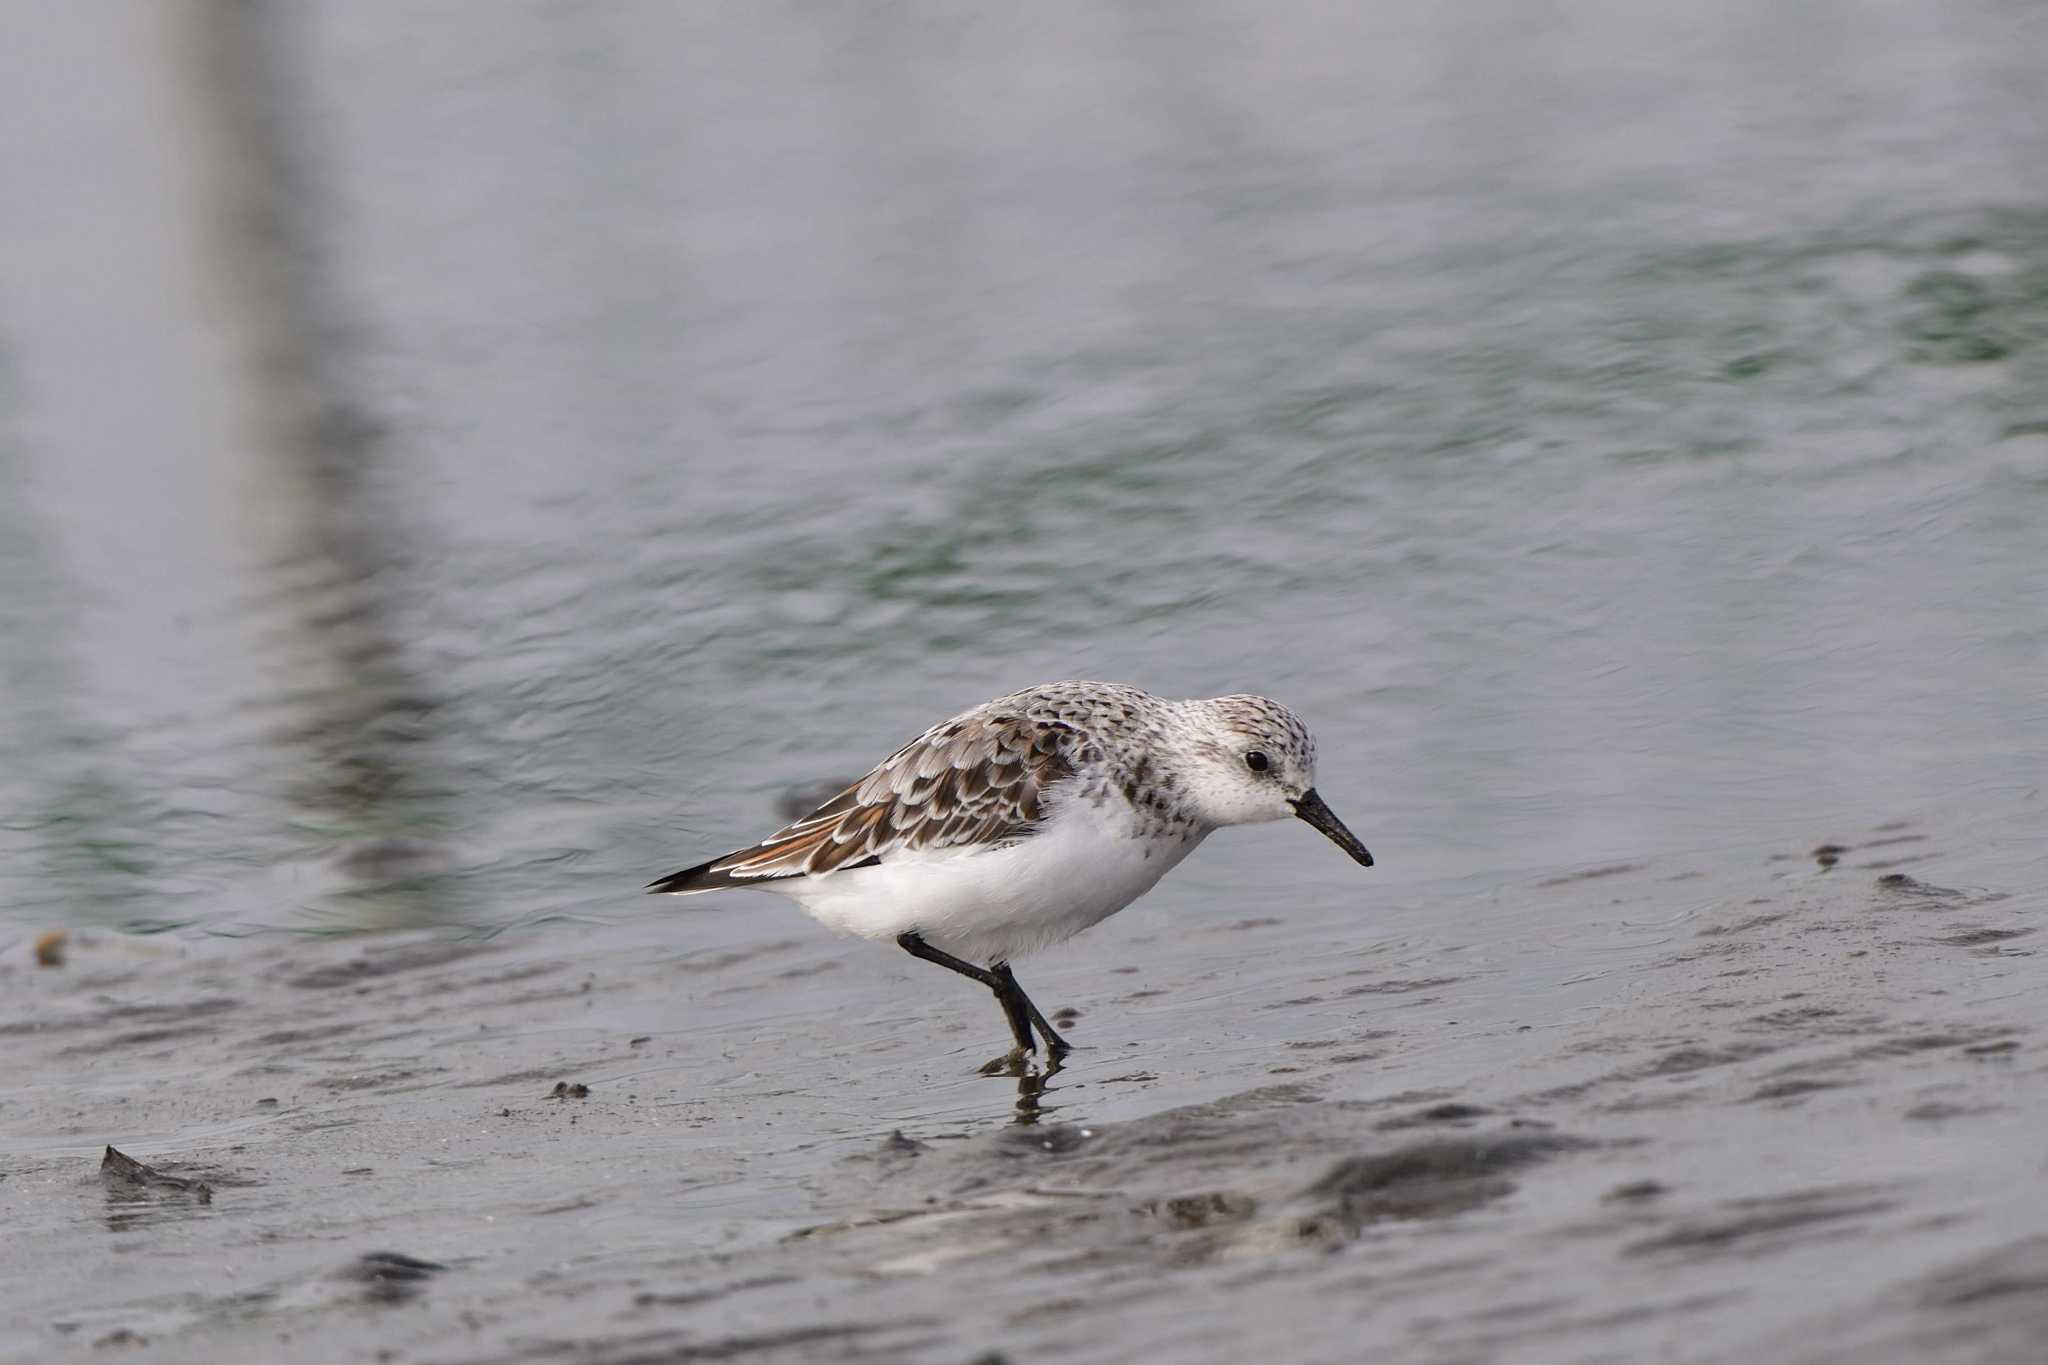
[980,778]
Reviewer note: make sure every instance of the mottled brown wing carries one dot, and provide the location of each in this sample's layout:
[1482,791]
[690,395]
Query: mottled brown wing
[980,778]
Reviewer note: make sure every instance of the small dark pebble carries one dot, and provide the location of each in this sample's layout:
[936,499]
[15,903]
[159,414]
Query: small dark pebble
[266,1102]
[570,1090]
[643,1038]
[122,1336]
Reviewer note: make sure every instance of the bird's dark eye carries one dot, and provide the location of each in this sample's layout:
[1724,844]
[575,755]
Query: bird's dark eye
[1257,761]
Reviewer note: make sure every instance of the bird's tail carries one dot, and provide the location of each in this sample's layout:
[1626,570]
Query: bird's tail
[705,876]
[689,881]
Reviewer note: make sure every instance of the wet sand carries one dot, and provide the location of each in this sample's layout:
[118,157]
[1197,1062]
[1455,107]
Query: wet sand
[1739,1106]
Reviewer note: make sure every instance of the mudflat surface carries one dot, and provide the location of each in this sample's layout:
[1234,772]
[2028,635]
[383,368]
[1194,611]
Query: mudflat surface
[1742,1107]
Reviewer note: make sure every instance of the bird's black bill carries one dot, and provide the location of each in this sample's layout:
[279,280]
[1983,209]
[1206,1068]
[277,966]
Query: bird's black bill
[1311,808]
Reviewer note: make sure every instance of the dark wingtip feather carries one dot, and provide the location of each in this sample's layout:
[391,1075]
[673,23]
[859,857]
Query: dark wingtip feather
[698,878]
[707,877]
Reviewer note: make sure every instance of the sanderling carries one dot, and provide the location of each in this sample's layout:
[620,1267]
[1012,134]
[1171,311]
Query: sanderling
[1023,821]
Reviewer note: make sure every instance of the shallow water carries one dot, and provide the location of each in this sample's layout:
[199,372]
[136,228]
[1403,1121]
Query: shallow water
[458,471]
[1630,441]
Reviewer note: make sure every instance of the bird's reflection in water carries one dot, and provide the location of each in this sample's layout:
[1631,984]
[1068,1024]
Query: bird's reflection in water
[1034,1081]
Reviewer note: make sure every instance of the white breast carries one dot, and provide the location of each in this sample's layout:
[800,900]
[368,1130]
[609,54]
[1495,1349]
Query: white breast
[987,905]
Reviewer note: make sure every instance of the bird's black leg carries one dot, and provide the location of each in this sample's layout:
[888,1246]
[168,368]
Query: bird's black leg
[1016,1002]
[1018,1016]
[1016,1007]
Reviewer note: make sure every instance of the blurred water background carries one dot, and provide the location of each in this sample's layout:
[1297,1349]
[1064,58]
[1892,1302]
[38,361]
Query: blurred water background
[458,462]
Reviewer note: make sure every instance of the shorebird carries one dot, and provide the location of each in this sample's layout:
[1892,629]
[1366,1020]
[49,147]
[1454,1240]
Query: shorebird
[1025,820]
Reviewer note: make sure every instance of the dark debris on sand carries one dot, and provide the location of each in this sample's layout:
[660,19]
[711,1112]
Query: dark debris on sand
[124,1172]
